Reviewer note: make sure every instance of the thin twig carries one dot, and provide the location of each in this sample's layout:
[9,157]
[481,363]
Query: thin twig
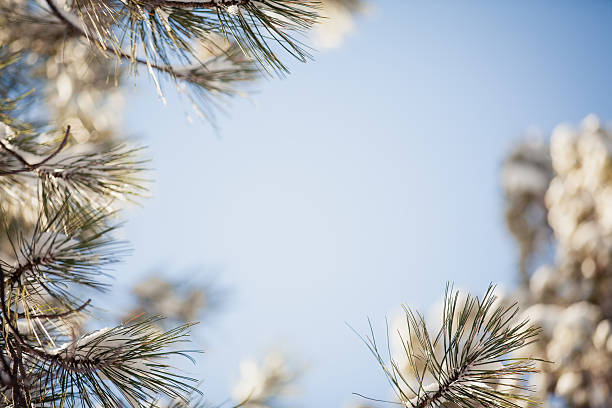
[30,167]
[55,153]
[57,315]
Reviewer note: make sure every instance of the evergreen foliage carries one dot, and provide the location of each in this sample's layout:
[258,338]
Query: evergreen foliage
[61,188]
[470,361]
[64,177]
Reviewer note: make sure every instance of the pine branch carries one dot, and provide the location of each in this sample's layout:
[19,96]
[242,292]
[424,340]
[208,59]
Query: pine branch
[83,180]
[65,250]
[211,77]
[93,179]
[469,361]
[128,356]
[167,29]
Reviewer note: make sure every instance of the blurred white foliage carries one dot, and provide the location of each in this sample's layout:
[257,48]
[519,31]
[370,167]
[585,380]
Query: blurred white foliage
[156,296]
[83,95]
[570,298]
[526,175]
[337,23]
[260,385]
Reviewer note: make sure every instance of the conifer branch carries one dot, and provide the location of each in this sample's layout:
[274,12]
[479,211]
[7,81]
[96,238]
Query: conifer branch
[65,249]
[128,356]
[215,75]
[165,28]
[468,362]
[87,179]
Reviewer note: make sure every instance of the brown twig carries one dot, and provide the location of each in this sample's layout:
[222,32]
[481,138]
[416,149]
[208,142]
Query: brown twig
[30,167]
[55,153]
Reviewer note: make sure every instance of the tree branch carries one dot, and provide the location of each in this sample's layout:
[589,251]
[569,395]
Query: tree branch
[72,25]
[30,167]
[212,4]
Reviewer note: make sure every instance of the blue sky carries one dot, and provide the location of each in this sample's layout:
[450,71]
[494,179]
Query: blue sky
[366,179]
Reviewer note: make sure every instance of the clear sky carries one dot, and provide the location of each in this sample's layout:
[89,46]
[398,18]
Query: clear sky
[366,179]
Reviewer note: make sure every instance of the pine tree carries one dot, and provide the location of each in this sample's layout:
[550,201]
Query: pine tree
[65,174]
